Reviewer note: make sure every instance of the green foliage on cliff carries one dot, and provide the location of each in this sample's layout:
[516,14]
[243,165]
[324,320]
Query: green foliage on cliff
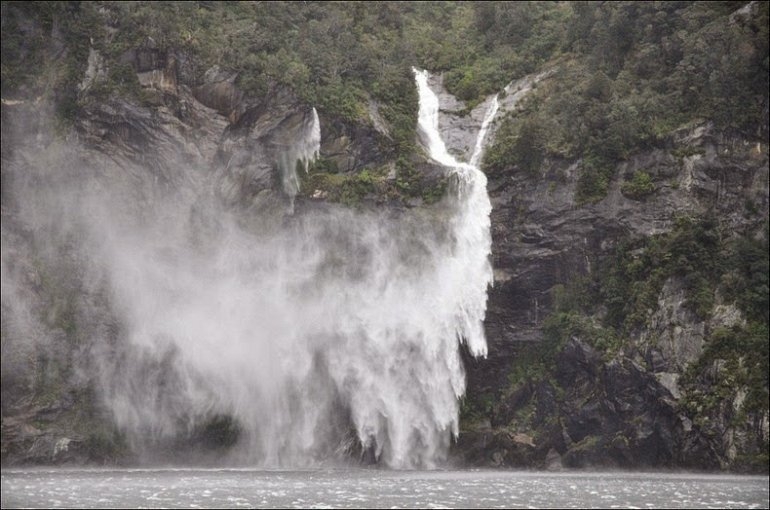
[747,276]
[724,390]
[628,73]
[45,51]
[729,382]
[697,253]
[482,46]
[626,289]
[639,186]
[323,181]
[634,277]
[520,144]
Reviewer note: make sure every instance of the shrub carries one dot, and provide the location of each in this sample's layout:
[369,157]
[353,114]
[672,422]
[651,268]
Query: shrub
[639,186]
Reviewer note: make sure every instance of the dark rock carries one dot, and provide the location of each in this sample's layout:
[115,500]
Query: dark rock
[542,238]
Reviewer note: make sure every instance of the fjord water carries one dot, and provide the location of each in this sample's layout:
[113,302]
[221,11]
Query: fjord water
[375,489]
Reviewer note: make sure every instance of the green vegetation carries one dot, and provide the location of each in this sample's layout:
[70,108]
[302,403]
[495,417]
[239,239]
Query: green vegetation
[745,278]
[627,74]
[562,326]
[697,253]
[633,278]
[521,144]
[482,46]
[639,186]
[731,376]
[743,352]
[45,51]
[352,189]
[474,412]
[730,381]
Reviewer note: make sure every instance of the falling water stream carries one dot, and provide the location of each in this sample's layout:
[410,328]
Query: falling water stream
[341,313]
[329,329]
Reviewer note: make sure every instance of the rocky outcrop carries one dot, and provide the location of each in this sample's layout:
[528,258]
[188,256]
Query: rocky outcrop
[588,409]
[593,413]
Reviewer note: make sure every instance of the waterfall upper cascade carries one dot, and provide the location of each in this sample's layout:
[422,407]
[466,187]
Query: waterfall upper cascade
[302,150]
[488,118]
[472,223]
[335,327]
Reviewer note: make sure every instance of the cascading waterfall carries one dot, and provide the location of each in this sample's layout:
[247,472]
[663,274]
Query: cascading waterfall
[488,118]
[301,152]
[472,223]
[338,322]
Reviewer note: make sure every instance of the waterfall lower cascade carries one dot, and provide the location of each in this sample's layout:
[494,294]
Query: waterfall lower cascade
[342,318]
[335,328]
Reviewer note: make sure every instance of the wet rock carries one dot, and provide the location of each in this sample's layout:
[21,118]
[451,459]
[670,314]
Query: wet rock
[542,238]
[219,92]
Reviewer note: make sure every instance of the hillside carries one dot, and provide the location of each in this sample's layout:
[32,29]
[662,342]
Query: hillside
[627,324]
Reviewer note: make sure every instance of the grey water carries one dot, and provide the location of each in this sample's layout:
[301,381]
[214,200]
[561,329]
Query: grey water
[246,488]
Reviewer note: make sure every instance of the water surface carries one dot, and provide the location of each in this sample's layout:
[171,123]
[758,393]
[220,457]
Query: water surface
[201,488]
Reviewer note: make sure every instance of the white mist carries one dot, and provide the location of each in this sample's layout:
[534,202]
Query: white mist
[336,322]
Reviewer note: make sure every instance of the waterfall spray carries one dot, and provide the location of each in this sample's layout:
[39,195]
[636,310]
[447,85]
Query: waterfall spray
[339,323]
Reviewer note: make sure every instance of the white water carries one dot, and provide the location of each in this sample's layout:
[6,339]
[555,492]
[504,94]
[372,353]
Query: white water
[335,326]
[488,118]
[472,223]
[302,151]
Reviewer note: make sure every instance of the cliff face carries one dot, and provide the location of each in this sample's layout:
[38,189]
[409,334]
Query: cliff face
[543,238]
[619,331]
[621,402]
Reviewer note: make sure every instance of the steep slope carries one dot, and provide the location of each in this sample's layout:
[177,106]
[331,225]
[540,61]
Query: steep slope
[628,174]
[628,318]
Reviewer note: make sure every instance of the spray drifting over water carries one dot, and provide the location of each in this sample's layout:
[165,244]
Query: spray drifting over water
[337,318]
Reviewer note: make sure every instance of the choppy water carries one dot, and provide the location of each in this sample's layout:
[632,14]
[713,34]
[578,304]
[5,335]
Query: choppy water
[236,488]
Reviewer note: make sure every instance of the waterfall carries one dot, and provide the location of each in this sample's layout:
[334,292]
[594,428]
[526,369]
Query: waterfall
[472,223]
[488,117]
[301,151]
[335,326]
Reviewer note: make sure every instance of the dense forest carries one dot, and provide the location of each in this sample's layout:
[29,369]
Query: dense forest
[627,73]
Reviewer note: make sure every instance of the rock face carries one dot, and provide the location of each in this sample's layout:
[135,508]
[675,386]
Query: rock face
[627,410]
[542,237]
[612,414]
